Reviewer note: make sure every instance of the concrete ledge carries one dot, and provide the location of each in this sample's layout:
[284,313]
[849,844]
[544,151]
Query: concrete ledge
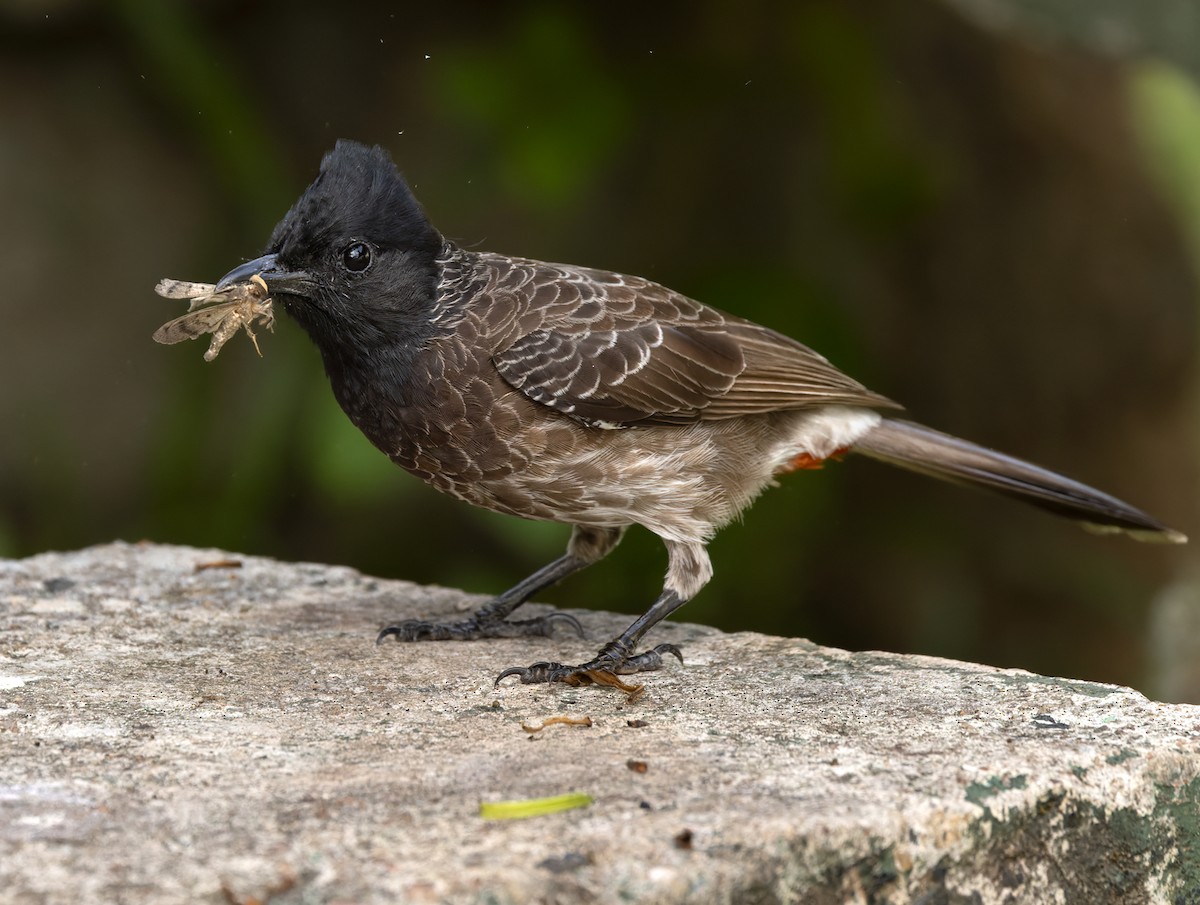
[233,734]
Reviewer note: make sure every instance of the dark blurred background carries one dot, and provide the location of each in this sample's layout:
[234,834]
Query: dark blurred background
[988,210]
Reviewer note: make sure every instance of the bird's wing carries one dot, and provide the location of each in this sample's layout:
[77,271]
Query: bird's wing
[616,350]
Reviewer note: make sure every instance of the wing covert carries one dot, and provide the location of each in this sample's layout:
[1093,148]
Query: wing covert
[615,351]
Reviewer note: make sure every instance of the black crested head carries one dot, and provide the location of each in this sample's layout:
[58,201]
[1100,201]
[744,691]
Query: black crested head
[358,192]
[355,257]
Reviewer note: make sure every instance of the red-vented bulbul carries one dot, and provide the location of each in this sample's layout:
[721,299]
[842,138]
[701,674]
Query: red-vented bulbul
[584,397]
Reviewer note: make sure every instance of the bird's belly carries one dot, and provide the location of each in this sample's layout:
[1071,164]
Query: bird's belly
[682,482]
[669,491]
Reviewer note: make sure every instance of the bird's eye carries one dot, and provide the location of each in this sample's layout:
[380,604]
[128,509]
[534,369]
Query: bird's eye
[356,257]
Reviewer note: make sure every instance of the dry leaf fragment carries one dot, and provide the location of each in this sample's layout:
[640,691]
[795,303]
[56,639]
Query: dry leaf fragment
[563,720]
[604,677]
[218,564]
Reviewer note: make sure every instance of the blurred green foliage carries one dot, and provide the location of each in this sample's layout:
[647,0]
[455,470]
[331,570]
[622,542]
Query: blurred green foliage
[546,159]
[1165,105]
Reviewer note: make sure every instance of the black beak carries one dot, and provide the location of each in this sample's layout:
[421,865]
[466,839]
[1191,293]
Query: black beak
[277,280]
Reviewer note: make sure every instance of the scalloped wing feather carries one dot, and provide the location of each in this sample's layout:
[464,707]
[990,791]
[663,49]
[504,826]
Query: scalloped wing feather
[617,350]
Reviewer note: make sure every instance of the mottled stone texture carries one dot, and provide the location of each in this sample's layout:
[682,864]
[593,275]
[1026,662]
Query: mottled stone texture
[233,734]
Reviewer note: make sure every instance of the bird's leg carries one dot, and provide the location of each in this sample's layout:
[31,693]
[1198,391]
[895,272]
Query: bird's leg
[689,570]
[586,546]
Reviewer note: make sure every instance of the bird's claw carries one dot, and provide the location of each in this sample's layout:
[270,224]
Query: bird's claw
[649,660]
[536,673]
[419,630]
[608,663]
[478,627]
[542,625]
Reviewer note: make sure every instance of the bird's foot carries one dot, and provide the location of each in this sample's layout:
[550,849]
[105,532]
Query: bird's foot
[602,670]
[480,625]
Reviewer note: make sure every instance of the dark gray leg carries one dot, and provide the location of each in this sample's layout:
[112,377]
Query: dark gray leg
[689,570]
[587,545]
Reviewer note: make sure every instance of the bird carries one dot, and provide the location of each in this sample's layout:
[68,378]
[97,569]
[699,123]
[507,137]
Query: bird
[584,397]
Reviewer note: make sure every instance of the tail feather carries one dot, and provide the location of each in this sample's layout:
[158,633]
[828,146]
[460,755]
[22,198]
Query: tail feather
[939,455]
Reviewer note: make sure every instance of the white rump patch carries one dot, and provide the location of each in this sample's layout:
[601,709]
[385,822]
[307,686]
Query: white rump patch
[824,431]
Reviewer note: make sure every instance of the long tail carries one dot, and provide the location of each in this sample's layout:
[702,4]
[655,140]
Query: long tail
[942,456]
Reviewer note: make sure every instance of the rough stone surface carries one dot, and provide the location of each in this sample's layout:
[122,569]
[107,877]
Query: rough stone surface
[233,734]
